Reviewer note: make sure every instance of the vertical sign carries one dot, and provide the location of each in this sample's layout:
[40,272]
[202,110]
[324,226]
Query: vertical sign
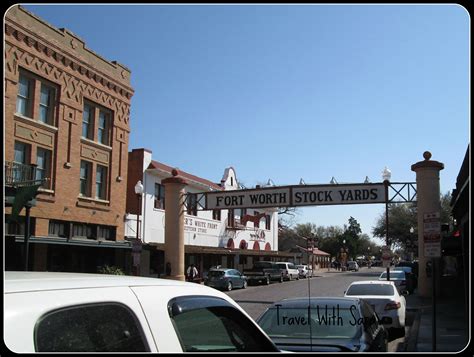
[386,256]
[432,234]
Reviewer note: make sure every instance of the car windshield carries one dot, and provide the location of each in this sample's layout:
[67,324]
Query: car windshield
[215,274]
[393,275]
[327,321]
[370,289]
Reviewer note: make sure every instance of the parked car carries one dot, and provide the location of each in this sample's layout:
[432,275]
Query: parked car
[352,265]
[398,277]
[263,272]
[412,279]
[385,299]
[71,312]
[289,270]
[225,279]
[305,271]
[413,265]
[302,325]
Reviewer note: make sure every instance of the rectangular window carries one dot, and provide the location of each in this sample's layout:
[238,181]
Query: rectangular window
[105,232]
[256,224]
[85,174]
[57,229]
[87,121]
[230,218]
[45,106]
[82,230]
[101,182]
[216,214]
[267,222]
[43,168]
[159,196]
[192,204]
[22,153]
[103,128]
[22,157]
[23,99]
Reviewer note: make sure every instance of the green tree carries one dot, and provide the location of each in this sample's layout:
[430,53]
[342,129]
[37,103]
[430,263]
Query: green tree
[401,218]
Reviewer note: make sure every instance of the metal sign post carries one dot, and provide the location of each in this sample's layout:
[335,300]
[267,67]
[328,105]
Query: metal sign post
[432,246]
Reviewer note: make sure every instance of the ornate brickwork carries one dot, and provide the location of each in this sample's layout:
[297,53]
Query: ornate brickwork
[72,86]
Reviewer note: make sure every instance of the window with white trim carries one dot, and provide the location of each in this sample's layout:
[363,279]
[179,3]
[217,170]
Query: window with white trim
[159,196]
[43,167]
[101,182]
[85,178]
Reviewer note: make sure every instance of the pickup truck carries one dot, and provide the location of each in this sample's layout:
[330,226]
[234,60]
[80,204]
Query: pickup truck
[264,272]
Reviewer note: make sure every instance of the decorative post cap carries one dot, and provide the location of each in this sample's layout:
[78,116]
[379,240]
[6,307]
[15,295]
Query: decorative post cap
[427,163]
[174,179]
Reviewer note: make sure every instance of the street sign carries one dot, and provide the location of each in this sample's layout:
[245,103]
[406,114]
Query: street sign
[295,196]
[432,234]
[386,256]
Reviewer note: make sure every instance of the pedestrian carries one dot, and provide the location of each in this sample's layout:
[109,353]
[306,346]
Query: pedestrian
[191,273]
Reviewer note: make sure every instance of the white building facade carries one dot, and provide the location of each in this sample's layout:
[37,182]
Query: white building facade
[230,238]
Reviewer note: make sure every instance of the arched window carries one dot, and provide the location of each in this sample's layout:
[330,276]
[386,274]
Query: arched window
[230,243]
[243,244]
[256,246]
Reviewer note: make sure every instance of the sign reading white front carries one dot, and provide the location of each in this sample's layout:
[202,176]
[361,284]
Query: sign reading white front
[292,196]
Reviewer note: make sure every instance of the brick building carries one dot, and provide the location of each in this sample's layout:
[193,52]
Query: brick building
[66,116]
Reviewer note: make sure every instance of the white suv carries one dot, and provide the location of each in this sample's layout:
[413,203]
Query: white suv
[71,312]
[289,270]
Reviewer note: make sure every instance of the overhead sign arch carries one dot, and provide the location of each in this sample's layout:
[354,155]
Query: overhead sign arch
[296,196]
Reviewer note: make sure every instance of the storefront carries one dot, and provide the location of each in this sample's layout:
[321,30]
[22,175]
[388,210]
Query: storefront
[230,238]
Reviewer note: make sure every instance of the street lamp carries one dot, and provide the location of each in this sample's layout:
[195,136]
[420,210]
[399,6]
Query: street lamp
[137,246]
[386,175]
[412,244]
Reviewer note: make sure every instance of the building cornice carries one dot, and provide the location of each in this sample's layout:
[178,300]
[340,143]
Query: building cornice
[68,60]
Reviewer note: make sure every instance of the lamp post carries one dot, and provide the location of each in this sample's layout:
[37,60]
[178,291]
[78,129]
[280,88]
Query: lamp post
[368,257]
[343,255]
[386,175]
[137,246]
[412,244]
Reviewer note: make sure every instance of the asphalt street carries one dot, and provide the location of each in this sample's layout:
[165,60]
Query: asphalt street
[255,299]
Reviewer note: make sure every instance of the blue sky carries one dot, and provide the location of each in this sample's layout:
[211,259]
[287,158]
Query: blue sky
[290,91]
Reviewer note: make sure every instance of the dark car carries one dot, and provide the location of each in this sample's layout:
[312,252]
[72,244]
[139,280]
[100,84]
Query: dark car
[225,279]
[325,324]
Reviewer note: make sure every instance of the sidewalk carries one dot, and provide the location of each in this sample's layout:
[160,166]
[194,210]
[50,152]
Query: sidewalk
[452,324]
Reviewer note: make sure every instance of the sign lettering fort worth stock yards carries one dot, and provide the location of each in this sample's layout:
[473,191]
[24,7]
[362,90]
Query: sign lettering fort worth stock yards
[293,196]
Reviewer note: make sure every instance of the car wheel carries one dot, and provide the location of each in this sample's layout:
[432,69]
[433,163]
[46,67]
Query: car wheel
[229,286]
[244,286]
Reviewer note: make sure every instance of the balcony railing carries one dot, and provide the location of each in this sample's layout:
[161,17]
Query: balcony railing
[18,175]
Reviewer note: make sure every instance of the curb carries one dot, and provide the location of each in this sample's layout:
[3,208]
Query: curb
[413,334]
